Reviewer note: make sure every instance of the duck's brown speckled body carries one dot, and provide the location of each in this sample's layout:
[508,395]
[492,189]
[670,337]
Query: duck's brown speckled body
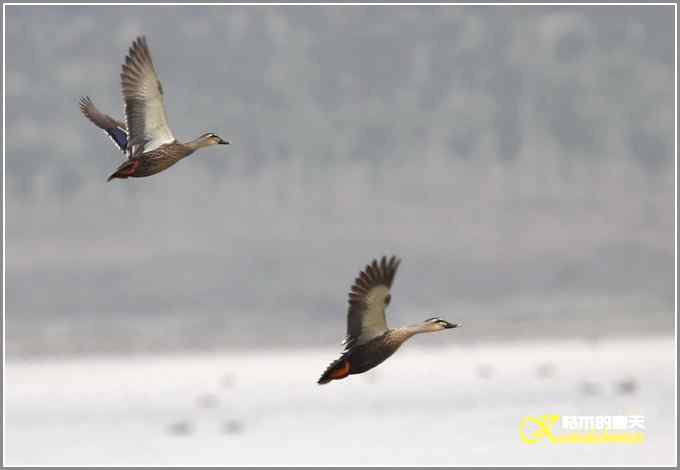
[154,161]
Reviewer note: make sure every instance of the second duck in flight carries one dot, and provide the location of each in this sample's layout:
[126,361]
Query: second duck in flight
[146,138]
[369,342]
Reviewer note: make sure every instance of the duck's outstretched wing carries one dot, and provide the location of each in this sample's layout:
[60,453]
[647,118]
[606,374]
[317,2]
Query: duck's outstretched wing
[368,298]
[113,128]
[143,95]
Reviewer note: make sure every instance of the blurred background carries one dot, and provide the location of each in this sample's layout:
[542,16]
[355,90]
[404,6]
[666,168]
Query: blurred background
[519,160]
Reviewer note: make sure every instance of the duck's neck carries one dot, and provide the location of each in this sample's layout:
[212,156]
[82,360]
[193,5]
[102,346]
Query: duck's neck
[405,332]
[197,143]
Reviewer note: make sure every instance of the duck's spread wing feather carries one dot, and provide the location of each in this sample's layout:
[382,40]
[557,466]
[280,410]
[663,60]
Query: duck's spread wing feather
[368,298]
[115,129]
[143,95]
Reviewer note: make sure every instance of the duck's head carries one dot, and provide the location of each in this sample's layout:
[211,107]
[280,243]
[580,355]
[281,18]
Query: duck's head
[213,139]
[436,324]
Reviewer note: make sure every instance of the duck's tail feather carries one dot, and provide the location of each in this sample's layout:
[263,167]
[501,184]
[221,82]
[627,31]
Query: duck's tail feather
[339,369]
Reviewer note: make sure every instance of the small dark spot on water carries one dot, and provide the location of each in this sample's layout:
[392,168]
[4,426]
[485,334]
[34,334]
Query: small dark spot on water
[232,426]
[627,386]
[546,370]
[180,428]
[589,388]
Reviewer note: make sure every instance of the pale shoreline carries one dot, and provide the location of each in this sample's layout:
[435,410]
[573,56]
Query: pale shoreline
[426,406]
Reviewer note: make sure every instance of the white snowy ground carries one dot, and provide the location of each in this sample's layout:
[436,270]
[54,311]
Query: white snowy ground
[455,406]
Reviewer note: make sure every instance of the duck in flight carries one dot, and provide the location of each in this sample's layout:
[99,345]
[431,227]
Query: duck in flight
[369,342]
[145,137]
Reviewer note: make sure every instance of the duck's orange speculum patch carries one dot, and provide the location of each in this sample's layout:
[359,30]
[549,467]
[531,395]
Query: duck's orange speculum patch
[341,372]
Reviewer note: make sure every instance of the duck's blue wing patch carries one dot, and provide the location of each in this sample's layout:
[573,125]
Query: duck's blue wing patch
[119,136]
